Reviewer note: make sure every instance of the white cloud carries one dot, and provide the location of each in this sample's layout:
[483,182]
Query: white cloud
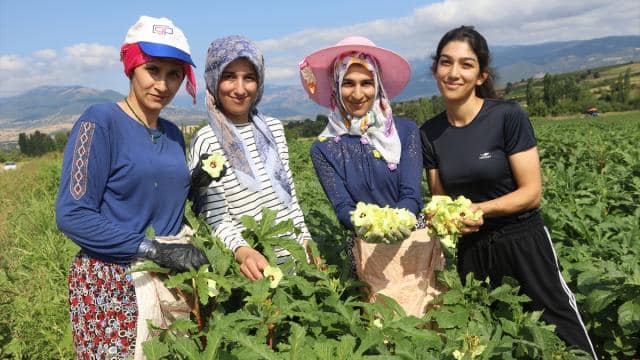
[279,73]
[92,56]
[11,63]
[80,64]
[46,54]
[502,22]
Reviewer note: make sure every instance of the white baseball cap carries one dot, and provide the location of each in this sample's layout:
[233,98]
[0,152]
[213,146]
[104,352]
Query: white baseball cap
[159,37]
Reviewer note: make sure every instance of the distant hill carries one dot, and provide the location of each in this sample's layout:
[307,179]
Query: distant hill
[54,108]
[514,63]
[60,104]
[50,108]
[50,104]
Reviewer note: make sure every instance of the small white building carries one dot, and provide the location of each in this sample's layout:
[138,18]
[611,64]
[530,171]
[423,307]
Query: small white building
[10,165]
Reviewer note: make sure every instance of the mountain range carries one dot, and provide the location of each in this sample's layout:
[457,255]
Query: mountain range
[50,108]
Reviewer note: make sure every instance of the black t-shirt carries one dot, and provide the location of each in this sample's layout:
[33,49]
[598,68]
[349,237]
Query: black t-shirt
[473,160]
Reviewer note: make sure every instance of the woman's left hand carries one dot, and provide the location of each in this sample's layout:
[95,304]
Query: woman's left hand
[471,226]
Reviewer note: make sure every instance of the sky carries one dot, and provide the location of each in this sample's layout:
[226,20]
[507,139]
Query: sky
[77,42]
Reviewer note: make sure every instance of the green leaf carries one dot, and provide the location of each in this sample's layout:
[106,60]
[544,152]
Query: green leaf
[345,347]
[452,317]
[296,340]
[509,327]
[391,304]
[148,265]
[187,348]
[180,279]
[250,344]
[597,300]
[373,337]
[183,325]
[202,289]
[325,349]
[629,317]
[150,232]
[154,350]
[259,291]
[214,339]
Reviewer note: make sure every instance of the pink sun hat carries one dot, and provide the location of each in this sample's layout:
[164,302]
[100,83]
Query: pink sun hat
[316,68]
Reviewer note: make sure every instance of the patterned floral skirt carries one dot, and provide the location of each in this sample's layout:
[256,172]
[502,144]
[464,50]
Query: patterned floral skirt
[102,308]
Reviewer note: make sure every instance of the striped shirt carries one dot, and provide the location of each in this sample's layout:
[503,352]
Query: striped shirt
[227,199]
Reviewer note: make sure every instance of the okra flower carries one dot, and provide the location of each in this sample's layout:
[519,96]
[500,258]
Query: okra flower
[214,164]
[445,217]
[273,274]
[382,225]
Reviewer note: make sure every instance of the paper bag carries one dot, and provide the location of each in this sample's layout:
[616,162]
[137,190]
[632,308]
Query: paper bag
[404,271]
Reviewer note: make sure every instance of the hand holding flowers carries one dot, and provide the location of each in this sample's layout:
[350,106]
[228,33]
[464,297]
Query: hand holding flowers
[448,218]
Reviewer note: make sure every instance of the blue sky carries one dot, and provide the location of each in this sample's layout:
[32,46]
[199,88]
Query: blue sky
[76,42]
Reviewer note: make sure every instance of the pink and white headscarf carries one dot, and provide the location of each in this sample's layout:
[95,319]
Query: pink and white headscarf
[376,127]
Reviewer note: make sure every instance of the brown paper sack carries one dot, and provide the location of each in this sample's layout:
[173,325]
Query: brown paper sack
[404,271]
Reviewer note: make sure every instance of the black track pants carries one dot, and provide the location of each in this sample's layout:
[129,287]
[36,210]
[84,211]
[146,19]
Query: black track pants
[524,252]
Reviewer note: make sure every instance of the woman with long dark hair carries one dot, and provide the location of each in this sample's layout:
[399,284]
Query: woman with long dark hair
[485,149]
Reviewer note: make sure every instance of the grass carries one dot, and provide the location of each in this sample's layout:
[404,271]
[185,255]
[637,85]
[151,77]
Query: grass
[33,269]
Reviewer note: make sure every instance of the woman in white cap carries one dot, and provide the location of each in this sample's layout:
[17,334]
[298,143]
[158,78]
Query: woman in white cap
[364,154]
[252,148]
[486,150]
[123,172]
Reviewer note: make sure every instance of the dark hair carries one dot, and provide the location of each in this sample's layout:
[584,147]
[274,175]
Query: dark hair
[479,46]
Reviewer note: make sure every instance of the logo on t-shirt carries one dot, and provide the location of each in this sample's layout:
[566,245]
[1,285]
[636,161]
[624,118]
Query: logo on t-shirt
[484,156]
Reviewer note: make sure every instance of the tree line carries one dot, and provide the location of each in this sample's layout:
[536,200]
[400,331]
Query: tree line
[563,94]
[553,95]
[38,143]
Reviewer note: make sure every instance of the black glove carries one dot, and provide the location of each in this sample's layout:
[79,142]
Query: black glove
[179,257]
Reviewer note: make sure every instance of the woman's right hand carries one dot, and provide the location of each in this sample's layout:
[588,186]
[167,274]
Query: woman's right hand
[251,262]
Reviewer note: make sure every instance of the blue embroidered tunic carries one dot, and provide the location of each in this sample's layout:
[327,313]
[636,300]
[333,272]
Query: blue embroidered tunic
[350,172]
[115,183]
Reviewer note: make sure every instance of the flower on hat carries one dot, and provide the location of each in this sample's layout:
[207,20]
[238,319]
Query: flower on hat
[308,77]
[322,138]
[396,68]
[376,154]
[273,274]
[214,164]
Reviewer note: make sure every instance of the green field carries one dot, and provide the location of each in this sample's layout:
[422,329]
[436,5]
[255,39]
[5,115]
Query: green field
[591,203]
